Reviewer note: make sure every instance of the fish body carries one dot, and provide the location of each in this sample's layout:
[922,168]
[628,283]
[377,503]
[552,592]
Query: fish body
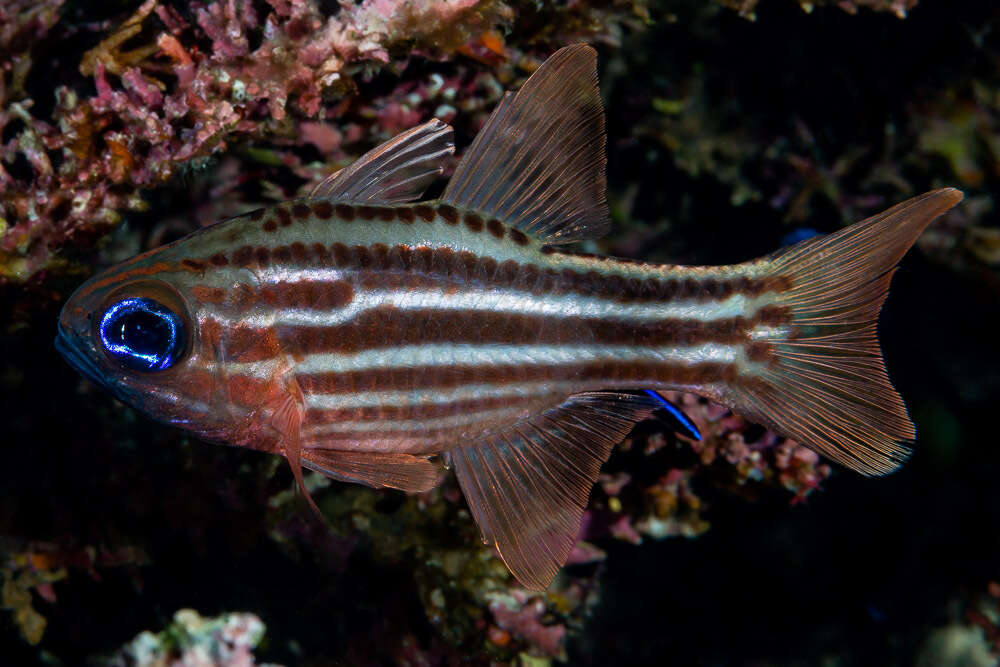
[409,328]
[359,334]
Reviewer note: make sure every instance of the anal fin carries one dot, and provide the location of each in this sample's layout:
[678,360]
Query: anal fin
[528,486]
[395,471]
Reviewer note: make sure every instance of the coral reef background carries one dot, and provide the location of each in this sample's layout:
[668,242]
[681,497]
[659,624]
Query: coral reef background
[734,127]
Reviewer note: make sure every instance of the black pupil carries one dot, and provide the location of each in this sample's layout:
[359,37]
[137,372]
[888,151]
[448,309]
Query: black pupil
[145,333]
[142,334]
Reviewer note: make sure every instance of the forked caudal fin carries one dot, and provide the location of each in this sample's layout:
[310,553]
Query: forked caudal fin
[821,380]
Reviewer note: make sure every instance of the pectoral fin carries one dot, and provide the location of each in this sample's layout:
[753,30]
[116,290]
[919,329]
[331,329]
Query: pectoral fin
[405,472]
[527,487]
[287,421]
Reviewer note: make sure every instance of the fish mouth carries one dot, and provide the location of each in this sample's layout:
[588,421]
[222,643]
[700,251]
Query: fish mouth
[78,360]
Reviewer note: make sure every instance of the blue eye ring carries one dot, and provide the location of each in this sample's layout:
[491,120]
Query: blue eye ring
[142,334]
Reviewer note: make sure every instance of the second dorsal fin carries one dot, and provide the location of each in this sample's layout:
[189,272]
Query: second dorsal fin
[539,162]
[398,170]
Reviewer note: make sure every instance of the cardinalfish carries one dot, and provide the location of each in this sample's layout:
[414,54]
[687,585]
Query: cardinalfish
[360,332]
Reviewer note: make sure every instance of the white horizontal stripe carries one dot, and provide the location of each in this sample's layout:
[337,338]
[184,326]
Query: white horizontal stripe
[493,300]
[763,332]
[483,355]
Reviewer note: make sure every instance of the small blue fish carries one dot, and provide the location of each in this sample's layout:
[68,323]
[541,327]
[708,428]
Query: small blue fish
[675,416]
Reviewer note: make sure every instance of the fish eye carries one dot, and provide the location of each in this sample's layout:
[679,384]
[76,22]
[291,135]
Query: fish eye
[142,334]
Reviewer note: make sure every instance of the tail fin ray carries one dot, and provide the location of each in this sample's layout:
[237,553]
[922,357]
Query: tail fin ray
[822,380]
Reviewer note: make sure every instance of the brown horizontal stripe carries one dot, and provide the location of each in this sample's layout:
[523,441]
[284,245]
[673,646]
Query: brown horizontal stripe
[318,294]
[422,377]
[323,210]
[405,213]
[207,387]
[196,265]
[448,213]
[519,237]
[466,266]
[209,294]
[284,217]
[388,326]
[496,228]
[345,212]
[442,436]
[418,440]
[424,212]
[129,274]
[474,223]
[431,432]
[242,342]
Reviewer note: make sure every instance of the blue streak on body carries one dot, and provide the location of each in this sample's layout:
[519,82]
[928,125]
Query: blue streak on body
[684,423]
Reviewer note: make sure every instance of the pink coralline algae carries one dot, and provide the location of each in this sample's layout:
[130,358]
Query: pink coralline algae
[521,615]
[664,501]
[165,89]
[209,75]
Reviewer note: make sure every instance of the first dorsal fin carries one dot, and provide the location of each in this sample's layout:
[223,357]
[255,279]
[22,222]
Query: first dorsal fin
[539,163]
[527,487]
[393,172]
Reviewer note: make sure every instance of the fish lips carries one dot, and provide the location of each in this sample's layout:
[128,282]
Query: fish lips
[74,352]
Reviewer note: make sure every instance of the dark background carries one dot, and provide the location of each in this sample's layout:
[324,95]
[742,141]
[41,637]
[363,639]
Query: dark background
[859,573]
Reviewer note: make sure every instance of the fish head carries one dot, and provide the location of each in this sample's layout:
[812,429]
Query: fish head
[134,331]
